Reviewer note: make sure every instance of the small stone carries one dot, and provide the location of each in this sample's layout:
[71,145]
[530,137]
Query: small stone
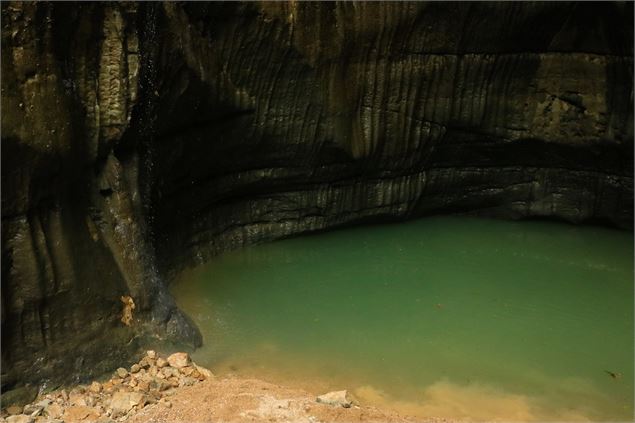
[133,383]
[107,387]
[33,410]
[90,401]
[187,381]
[116,381]
[336,398]
[161,362]
[167,404]
[165,385]
[14,410]
[81,412]
[153,398]
[20,418]
[206,373]
[75,398]
[151,354]
[179,359]
[135,368]
[122,402]
[44,403]
[95,387]
[121,372]
[187,370]
[171,372]
[53,411]
[64,395]
[143,385]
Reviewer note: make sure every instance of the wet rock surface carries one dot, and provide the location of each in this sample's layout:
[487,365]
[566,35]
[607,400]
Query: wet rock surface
[149,136]
[116,399]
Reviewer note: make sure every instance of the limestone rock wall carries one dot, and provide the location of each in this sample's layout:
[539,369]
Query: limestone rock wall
[138,138]
[74,237]
[281,118]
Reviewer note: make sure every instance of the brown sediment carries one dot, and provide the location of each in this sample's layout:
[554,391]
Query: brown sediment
[234,399]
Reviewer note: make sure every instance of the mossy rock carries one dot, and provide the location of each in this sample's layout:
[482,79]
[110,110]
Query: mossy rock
[19,396]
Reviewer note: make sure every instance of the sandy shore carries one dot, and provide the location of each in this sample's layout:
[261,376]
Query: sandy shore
[235,399]
[175,389]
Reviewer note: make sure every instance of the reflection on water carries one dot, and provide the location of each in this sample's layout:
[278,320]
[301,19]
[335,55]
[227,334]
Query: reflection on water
[448,317]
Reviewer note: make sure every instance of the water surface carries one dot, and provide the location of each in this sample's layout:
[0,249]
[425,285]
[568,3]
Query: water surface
[447,317]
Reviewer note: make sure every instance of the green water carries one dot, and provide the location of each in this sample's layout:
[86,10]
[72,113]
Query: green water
[443,317]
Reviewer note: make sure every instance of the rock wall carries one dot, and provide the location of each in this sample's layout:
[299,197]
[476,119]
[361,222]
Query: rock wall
[137,138]
[281,118]
[74,237]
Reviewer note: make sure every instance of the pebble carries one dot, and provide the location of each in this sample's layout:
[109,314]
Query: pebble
[54,411]
[33,410]
[80,412]
[336,398]
[95,387]
[122,402]
[122,373]
[150,381]
[14,410]
[179,360]
[20,418]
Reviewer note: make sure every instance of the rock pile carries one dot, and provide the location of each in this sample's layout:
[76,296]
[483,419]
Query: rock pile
[150,381]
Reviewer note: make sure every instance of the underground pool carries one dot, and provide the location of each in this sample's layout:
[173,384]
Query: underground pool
[452,317]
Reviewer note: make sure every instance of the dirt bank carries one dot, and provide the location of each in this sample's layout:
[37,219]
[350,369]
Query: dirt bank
[175,389]
[234,399]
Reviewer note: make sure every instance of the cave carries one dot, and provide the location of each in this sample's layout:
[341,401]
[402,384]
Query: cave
[142,139]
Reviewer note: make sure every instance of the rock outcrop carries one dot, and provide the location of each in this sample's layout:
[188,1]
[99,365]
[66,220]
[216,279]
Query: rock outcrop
[137,138]
[75,242]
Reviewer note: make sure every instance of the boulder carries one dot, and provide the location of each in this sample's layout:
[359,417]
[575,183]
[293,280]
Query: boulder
[336,398]
[161,362]
[179,360]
